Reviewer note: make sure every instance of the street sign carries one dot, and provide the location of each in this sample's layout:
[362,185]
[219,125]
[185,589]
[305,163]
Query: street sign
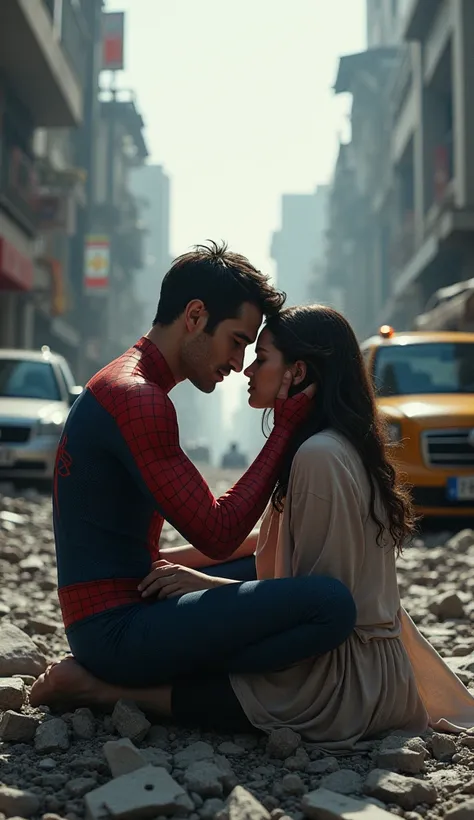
[113,24]
[96,263]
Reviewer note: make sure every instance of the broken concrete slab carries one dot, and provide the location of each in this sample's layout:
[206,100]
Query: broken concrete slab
[146,792]
[324,804]
[123,757]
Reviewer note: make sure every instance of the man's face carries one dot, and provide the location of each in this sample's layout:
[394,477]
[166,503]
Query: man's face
[207,359]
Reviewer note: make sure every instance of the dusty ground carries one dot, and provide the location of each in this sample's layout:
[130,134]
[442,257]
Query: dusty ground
[48,764]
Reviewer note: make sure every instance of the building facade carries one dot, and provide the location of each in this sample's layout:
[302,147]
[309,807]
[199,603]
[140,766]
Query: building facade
[42,46]
[151,185]
[432,151]
[385,20]
[402,198]
[361,195]
[297,248]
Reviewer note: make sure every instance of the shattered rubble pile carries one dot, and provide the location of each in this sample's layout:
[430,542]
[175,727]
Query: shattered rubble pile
[121,766]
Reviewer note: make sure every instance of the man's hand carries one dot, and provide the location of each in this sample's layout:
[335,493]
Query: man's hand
[291,412]
[171,580]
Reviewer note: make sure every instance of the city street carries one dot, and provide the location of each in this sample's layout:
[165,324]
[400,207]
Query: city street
[49,762]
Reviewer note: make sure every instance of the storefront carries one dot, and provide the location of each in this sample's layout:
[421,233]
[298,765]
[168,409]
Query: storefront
[16,280]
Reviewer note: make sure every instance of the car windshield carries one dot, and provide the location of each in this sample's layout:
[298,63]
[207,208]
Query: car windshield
[438,367]
[26,379]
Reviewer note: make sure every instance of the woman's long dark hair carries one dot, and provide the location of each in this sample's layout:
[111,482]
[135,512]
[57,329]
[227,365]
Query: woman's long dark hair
[345,402]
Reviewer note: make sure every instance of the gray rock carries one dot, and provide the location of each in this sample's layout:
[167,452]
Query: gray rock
[443,746]
[447,780]
[324,766]
[248,742]
[130,721]
[406,792]
[465,811]
[157,757]
[241,805]
[17,728]
[123,757]
[193,753]
[283,743]
[17,803]
[83,724]
[210,808]
[462,541]
[447,607]
[293,784]
[18,653]
[158,736]
[52,736]
[205,778]
[47,764]
[12,693]
[323,804]
[80,786]
[407,761]
[42,626]
[345,781]
[229,748]
[297,762]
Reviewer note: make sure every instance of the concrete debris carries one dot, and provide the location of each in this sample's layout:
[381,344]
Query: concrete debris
[83,763]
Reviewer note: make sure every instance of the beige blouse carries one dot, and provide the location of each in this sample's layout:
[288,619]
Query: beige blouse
[386,676]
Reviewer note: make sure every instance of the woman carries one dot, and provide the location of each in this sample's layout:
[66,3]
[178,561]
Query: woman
[338,511]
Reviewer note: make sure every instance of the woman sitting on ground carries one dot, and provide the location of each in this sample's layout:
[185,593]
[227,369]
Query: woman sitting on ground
[339,510]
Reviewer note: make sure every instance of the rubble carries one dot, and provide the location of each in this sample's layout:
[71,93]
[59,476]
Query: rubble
[130,721]
[406,792]
[17,728]
[18,653]
[145,792]
[87,764]
[52,736]
[12,693]
[17,803]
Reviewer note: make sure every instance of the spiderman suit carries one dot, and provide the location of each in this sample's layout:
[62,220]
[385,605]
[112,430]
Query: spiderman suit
[119,473]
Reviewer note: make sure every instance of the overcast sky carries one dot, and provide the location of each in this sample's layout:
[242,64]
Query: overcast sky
[238,104]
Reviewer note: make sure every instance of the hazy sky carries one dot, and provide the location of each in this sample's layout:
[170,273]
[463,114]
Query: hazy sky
[238,105]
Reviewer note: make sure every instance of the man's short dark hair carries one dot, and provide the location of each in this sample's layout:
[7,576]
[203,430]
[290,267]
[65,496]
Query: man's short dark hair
[222,280]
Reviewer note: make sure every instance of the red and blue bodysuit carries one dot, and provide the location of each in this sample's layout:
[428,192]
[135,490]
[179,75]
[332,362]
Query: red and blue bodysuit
[120,471]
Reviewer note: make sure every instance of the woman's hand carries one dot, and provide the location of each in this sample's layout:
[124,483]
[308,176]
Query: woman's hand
[171,580]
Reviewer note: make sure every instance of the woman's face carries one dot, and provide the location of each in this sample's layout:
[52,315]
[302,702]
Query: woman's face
[265,374]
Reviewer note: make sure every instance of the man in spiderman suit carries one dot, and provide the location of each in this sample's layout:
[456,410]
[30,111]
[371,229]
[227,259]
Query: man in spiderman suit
[135,616]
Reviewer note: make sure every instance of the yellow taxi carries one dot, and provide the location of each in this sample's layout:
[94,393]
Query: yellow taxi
[424,383]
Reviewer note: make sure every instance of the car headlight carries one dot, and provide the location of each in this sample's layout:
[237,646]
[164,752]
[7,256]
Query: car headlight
[394,432]
[49,429]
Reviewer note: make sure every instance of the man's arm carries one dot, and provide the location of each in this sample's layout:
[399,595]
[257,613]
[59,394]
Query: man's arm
[189,556]
[146,420]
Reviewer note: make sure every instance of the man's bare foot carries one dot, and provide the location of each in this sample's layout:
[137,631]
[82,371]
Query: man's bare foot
[68,683]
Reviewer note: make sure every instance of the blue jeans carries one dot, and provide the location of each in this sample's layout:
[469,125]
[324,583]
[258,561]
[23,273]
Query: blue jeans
[253,626]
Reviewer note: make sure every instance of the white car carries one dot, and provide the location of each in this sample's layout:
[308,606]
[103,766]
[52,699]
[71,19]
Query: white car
[37,390]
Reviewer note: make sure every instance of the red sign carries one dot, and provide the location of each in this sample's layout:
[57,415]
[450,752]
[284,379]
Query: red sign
[96,263]
[16,270]
[113,25]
